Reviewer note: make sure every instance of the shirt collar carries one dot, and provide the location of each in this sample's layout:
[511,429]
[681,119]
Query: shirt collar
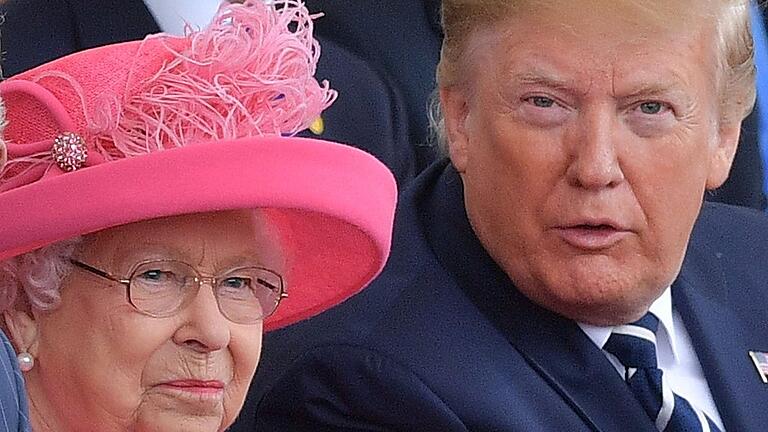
[173,15]
[661,308]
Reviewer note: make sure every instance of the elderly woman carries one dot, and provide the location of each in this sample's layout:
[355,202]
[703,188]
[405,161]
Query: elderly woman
[157,217]
[558,270]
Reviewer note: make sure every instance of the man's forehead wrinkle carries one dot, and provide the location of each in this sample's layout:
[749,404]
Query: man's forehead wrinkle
[532,74]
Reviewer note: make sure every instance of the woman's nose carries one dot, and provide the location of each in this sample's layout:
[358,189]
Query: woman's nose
[204,328]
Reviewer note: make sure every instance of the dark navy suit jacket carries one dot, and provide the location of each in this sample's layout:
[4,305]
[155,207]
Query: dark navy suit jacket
[369,114]
[442,341]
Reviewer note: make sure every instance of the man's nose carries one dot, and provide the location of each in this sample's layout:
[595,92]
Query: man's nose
[594,160]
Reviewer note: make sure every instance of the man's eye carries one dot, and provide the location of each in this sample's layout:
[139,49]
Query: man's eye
[652,108]
[541,101]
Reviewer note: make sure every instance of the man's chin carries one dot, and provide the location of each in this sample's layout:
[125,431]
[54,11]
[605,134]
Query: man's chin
[597,297]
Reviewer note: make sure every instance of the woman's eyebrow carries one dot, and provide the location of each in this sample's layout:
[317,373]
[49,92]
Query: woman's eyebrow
[142,251]
[246,259]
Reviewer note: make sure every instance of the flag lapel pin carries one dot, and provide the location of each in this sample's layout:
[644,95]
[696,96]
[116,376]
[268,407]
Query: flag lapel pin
[760,359]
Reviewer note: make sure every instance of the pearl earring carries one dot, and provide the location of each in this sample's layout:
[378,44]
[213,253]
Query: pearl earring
[26,361]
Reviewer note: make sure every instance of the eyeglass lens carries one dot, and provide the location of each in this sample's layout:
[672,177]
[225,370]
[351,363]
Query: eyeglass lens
[244,295]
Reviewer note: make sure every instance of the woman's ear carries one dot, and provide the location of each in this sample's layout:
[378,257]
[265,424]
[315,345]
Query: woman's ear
[22,329]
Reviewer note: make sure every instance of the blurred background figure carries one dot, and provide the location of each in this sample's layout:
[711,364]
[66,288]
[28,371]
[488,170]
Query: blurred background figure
[756,124]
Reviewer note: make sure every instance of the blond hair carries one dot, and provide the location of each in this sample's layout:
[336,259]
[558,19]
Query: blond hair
[736,80]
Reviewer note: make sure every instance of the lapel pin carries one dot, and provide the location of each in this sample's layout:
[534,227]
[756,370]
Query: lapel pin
[760,359]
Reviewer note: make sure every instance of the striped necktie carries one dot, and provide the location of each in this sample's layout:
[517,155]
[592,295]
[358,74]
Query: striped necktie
[635,346]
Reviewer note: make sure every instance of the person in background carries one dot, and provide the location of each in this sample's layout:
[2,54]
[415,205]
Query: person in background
[158,214]
[559,269]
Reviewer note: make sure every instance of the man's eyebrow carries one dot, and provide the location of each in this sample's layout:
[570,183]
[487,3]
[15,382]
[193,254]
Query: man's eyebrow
[545,79]
[540,78]
[656,88]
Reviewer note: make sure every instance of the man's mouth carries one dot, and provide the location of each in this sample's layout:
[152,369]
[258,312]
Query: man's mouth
[592,235]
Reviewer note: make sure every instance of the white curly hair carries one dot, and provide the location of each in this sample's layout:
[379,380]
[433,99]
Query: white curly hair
[37,274]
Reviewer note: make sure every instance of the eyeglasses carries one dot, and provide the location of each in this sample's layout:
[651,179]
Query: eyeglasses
[161,288]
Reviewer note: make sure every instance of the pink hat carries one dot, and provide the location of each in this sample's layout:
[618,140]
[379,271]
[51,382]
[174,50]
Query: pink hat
[3,150]
[169,126]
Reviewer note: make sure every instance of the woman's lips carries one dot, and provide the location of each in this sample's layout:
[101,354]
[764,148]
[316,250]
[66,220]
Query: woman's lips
[592,237]
[211,388]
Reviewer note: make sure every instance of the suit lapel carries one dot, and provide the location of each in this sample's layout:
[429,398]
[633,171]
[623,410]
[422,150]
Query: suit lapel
[722,337]
[554,347]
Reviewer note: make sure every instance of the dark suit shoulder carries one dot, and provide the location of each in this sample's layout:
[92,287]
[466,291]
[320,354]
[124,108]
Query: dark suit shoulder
[369,112]
[347,381]
[726,260]
[37,31]
[729,221]
[734,232]
[31,37]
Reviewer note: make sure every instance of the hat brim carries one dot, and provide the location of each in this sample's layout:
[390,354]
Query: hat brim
[334,205]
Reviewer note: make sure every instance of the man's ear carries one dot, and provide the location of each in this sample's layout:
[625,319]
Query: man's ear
[22,328]
[722,155]
[455,108]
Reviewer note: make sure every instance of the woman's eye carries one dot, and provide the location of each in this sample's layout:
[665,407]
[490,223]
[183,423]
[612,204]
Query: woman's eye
[236,283]
[541,101]
[156,276]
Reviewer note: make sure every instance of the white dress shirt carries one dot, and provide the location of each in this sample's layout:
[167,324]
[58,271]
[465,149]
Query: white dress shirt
[173,15]
[676,357]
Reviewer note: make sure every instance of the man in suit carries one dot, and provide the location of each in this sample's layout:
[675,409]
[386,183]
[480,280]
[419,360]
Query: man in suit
[369,112]
[559,270]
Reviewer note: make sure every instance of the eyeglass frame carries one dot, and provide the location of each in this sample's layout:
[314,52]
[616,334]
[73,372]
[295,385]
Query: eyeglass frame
[200,279]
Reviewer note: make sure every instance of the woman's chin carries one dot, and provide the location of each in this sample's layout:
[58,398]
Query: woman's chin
[180,413]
